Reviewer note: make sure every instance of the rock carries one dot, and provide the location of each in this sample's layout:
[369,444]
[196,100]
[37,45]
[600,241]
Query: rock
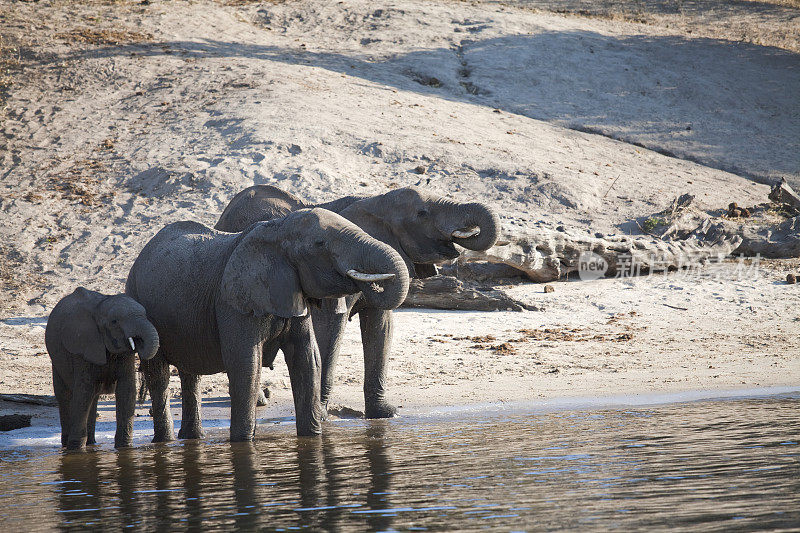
[782,193]
[479,271]
[345,412]
[446,292]
[421,169]
[15,421]
[549,288]
[261,401]
[791,279]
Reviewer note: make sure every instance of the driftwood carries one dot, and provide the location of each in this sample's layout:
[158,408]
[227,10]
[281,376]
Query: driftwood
[15,421]
[447,292]
[549,254]
[782,193]
[35,399]
[681,236]
[774,242]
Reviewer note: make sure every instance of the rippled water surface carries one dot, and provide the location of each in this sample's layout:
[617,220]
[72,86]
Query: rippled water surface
[714,465]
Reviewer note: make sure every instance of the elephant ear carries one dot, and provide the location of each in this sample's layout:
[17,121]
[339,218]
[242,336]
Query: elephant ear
[367,217]
[81,336]
[257,279]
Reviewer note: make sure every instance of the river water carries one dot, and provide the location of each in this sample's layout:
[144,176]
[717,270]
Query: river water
[699,466]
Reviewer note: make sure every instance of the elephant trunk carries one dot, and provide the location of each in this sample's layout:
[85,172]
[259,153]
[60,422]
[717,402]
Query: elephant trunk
[144,336]
[378,271]
[473,225]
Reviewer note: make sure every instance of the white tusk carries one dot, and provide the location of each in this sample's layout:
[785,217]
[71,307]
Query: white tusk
[464,234]
[361,276]
[133,346]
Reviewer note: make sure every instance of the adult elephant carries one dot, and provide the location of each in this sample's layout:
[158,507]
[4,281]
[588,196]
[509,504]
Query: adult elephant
[218,299]
[421,226]
[91,338]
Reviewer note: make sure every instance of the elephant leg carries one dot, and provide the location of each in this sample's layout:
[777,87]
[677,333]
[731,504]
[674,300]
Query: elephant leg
[302,357]
[156,375]
[125,396]
[328,330]
[243,380]
[191,407]
[63,397]
[91,421]
[261,398]
[242,359]
[142,394]
[83,394]
[376,336]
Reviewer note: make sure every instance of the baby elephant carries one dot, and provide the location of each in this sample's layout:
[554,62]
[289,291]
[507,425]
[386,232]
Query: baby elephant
[91,338]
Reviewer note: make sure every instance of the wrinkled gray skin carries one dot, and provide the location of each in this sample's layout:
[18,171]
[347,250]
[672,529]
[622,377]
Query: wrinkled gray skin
[87,337]
[419,225]
[219,299]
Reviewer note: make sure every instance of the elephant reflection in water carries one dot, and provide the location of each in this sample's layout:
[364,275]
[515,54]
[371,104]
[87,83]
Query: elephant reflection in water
[82,496]
[327,475]
[191,486]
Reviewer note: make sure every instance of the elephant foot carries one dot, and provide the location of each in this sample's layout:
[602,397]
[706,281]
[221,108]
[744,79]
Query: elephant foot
[261,401]
[380,410]
[163,436]
[191,432]
[75,444]
[122,443]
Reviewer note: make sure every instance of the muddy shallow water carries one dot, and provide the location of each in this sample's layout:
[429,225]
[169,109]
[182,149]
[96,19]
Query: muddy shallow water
[710,465]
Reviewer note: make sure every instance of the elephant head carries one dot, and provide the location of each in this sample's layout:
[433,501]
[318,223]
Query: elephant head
[424,227]
[310,253]
[103,324]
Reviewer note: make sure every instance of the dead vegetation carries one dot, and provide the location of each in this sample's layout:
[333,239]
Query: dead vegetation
[103,36]
[80,184]
[510,346]
[10,63]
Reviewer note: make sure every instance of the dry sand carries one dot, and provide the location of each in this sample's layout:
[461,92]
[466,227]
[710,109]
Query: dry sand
[122,117]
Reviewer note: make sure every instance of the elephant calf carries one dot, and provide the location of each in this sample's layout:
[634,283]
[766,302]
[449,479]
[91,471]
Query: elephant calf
[219,300]
[91,339]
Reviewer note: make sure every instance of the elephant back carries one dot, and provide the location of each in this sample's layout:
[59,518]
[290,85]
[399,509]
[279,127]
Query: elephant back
[256,203]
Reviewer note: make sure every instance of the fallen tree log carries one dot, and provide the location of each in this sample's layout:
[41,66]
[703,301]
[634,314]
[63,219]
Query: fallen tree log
[447,292]
[35,399]
[549,254]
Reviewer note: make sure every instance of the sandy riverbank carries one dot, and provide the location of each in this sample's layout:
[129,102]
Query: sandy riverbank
[123,117]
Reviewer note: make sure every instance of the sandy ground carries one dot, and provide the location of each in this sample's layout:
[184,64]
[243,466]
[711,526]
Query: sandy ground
[119,118]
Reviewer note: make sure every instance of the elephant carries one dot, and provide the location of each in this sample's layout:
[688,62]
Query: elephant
[91,338]
[422,227]
[220,300]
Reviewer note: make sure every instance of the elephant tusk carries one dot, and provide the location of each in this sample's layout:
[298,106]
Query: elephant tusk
[361,276]
[133,346]
[466,233]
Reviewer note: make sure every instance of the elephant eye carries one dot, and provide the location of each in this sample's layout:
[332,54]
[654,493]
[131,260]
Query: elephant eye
[319,244]
[422,213]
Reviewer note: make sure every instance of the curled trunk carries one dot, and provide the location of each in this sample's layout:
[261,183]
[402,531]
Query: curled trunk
[378,258]
[145,337]
[457,217]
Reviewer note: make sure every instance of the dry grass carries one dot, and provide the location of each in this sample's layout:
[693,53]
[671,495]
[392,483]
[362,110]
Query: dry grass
[10,62]
[81,185]
[103,36]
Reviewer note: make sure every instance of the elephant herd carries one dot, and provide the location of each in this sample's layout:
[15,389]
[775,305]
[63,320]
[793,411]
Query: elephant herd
[275,273]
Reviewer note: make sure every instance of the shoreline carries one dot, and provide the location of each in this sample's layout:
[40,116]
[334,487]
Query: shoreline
[44,436]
